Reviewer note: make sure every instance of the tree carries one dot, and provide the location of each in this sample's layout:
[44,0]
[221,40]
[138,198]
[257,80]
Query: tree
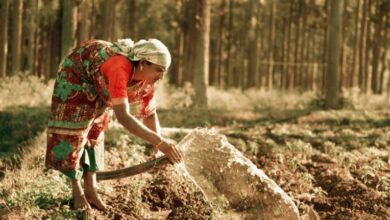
[3,37]
[377,46]
[335,30]
[17,37]
[69,22]
[109,20]
[252,44]
[353,73]
[271,46]
[202,53]
[31,21]
[84,22]
[362,44]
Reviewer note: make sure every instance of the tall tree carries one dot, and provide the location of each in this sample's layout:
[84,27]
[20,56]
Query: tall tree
[271,46]
[109,20]
[17,37]
[298,36]
[385,44]
[377,46]
[335,29]
[229,77]
[353,74]
[325,44]
[84,22]
[4,37]
[202,53]
[252,45]
[69,24]
[30,36]
[220,56]
[366,70]
[289,76]
[362,44]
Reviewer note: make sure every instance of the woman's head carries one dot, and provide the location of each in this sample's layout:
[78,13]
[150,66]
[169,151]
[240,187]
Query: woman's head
[152,50]
[151,57]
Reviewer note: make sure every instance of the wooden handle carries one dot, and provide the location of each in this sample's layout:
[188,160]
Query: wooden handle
[134,170]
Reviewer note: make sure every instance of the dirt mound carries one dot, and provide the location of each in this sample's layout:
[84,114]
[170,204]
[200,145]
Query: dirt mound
[224,173]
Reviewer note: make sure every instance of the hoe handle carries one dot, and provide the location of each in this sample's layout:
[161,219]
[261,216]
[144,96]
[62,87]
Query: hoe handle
[134,170]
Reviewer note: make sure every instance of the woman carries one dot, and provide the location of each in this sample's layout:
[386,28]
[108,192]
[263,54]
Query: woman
[93,80]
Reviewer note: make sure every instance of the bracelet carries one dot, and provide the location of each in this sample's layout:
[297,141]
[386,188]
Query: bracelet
[157,145]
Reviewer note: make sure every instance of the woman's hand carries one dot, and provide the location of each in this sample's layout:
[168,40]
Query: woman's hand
[170,150]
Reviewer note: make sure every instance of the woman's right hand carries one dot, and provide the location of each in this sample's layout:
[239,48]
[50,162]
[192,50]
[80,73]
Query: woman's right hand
[171,151]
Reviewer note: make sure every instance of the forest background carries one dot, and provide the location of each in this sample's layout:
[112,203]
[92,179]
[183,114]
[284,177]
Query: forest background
[266,70]
[283,45]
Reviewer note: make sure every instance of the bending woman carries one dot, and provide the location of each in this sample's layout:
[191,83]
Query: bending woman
[94,80]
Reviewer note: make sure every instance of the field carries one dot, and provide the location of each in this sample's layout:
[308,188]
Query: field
[334,164]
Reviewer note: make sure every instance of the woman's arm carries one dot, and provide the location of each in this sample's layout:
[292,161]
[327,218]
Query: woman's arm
[135,127]
[153,123]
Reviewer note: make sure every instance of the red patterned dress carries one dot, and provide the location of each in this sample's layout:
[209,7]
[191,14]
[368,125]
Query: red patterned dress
[81,106]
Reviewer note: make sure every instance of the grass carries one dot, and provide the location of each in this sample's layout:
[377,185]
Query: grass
[18,125]
[31,188]
[25,90]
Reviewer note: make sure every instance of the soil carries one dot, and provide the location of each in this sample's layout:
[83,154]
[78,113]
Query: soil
[320,161]
[320,184]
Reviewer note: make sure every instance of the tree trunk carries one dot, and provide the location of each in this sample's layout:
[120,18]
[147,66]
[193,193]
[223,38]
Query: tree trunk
[109,20]
[176,72]
[55,47]
[302,79]
[353,75]
[220,64]
[362,45]
[310,60]
[252,45]
[325,49]
[4,38]
[283,55]
[69,24]
[376,50]
[289,78]
[30,36]
[37,43]
[202,54]
[367,79]
[384,65]
[84,22]
[297,42]
[229,77]
[190,40]
[94,24]
[271,47]
[335,29]
[343,53]
[132,19]
[17,37]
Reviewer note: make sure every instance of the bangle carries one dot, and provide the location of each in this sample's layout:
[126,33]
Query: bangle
[157,145]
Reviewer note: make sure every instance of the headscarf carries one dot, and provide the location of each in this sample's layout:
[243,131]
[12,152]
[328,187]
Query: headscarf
[151,50]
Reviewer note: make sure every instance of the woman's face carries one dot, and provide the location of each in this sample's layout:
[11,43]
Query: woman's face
[150,72]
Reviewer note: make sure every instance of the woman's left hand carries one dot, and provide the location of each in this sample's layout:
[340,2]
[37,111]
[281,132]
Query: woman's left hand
[171,151]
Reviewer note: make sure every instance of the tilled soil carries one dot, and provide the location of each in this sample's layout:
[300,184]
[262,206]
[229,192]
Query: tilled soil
[332,169]
[343,198]
[162,194]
